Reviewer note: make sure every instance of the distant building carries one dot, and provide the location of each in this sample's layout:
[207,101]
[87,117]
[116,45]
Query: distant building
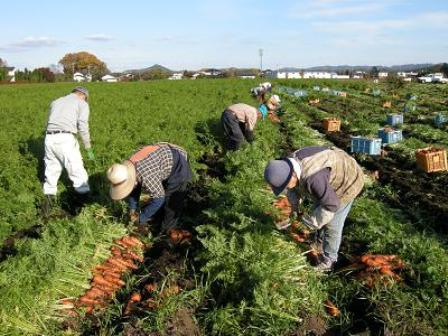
[383,74]
[289,74]
[79,77]
[318,74]
[11,73]
[176,76]
[109,79]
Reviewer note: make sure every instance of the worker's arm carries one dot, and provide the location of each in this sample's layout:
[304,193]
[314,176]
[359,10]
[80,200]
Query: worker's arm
[150,210]
[83,124]
[327,202]
[294,200]
[134,197]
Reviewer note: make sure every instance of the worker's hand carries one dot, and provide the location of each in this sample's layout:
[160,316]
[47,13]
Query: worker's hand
[134,216]
[284,224]
[90,154]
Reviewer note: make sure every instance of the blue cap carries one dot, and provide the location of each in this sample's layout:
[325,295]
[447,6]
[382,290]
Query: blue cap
[278,173]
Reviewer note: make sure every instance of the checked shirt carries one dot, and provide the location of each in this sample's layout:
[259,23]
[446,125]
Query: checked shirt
[154,169]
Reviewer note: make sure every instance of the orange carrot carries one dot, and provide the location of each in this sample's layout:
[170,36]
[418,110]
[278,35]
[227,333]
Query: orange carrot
[151,287]
[115,281]
[87,301]
[332,310]
[136,297]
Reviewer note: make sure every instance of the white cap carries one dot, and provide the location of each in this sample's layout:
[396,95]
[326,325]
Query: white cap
[266,85]
[275,99]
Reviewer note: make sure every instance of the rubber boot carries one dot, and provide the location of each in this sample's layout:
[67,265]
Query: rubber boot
[47,204]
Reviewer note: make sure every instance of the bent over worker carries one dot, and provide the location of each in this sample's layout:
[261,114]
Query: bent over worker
[238,122]
[161,170]
[68,115]
[329,177]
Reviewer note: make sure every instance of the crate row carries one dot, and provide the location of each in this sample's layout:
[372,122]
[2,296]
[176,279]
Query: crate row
[430,159]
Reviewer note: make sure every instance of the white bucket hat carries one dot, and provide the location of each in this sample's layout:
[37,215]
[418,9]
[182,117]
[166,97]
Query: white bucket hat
[122,178]
[275,99]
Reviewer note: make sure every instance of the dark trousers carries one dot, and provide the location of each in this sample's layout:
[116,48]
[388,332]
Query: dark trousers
[173,207]
[233,131]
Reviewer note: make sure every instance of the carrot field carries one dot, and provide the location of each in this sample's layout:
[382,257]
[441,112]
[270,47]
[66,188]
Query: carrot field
[237,274]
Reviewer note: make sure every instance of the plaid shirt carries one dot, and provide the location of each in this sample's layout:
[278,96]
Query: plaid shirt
[155,168]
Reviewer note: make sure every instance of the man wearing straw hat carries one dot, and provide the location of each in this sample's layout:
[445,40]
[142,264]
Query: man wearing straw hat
[68,115]
[161,170]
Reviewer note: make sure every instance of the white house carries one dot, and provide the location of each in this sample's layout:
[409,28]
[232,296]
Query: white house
[79,77]
[176,76]
[336,76]
[288,74]
[11,73]
[383,74]
[247,76]
[109,79]
[318,74]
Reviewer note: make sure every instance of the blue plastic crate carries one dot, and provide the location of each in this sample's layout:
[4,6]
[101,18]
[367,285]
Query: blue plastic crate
[376,92]
[394,119]
[365,145]
[440,119]
[390,136]
[300,93]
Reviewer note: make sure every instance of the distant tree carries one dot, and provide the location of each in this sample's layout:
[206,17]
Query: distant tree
[155,74]
[230,73]
[444,69]
[45,75]
[188,74]
[83,62]
[3,71]
[374,72]
[3,62]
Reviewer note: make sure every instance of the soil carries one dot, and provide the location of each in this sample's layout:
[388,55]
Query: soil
[8,248]
[312,325]
[410,185]
[183,324]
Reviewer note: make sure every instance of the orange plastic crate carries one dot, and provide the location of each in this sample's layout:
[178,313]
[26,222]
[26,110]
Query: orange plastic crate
[332,124]
[387,104]
[314,102]
[432,159]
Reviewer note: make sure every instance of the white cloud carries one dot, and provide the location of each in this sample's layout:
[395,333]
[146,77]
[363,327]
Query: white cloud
[335,8]
[99,38]
[31,43]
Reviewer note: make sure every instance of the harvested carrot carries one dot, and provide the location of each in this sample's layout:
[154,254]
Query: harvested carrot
[151,287]
[136,297]
[332,310]
[87,301]
[89,309]
[133,256]
[115,281]
[298,238]
[136,241]
[115,251]
[102,281]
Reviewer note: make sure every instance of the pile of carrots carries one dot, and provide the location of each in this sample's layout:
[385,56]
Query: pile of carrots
[107,276]
[274,118]
[377,268]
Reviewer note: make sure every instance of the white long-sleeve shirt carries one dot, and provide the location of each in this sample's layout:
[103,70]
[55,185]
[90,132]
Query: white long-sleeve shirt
[70,114]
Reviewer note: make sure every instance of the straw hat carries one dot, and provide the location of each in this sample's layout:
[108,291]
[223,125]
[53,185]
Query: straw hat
[122,178]
[275,99]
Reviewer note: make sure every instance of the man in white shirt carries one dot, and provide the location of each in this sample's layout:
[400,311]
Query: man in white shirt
[68,115]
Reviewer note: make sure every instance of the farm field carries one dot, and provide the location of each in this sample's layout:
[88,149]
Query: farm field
[238,275]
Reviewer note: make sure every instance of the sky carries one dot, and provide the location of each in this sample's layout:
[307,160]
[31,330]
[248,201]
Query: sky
[195,34]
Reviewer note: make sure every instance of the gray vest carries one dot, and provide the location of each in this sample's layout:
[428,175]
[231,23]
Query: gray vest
[346,177]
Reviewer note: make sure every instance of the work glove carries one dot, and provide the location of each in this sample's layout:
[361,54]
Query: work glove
[90,154]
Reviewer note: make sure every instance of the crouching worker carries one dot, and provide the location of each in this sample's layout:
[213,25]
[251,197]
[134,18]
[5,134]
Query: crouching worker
[68,115]
[161,170]
[260,91]
[329,177]
[238,122]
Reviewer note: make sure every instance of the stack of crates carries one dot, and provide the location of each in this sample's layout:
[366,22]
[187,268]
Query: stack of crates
[371,146]
[431,159]
[389,135]
[395,119]
[440,119]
